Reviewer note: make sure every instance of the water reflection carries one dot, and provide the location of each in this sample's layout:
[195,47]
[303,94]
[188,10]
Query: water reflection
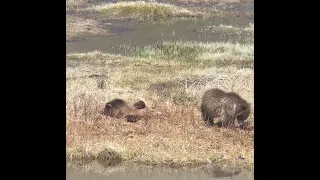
[134,172]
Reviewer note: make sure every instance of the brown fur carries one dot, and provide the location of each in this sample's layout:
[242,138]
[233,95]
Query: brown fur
[139,105]
[118,108]
[131,118]
[134,114]
[112,108]
[224,106]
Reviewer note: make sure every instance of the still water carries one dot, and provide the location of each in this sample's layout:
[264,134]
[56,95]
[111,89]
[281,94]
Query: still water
[143,173]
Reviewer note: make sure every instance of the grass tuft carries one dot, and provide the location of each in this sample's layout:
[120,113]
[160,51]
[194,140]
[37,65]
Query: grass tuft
[141,10]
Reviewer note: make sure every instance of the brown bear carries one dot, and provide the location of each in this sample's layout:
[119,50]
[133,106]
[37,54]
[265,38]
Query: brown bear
[224,106]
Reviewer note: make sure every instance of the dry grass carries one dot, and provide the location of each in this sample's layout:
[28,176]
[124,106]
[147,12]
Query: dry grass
[140,10]
[179,138]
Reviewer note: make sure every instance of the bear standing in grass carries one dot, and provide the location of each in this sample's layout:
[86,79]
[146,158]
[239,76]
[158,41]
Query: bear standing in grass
[225,107]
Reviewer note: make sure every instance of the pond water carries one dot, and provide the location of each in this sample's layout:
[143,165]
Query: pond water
[144,34]
[148,34]
[142,173]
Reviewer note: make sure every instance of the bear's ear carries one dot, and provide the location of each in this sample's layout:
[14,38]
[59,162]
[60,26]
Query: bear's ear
[107,109]
[108,106]
[244,106]
[139,105]
[131,118]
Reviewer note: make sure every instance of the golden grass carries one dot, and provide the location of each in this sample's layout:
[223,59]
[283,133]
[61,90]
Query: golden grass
[179,138]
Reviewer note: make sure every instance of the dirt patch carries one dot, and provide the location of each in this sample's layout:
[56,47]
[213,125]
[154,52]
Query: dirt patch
[76,28]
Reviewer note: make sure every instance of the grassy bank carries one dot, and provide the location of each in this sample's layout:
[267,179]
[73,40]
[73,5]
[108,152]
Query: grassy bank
[152,10]
[140,10]
[171,78]
[78,28]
